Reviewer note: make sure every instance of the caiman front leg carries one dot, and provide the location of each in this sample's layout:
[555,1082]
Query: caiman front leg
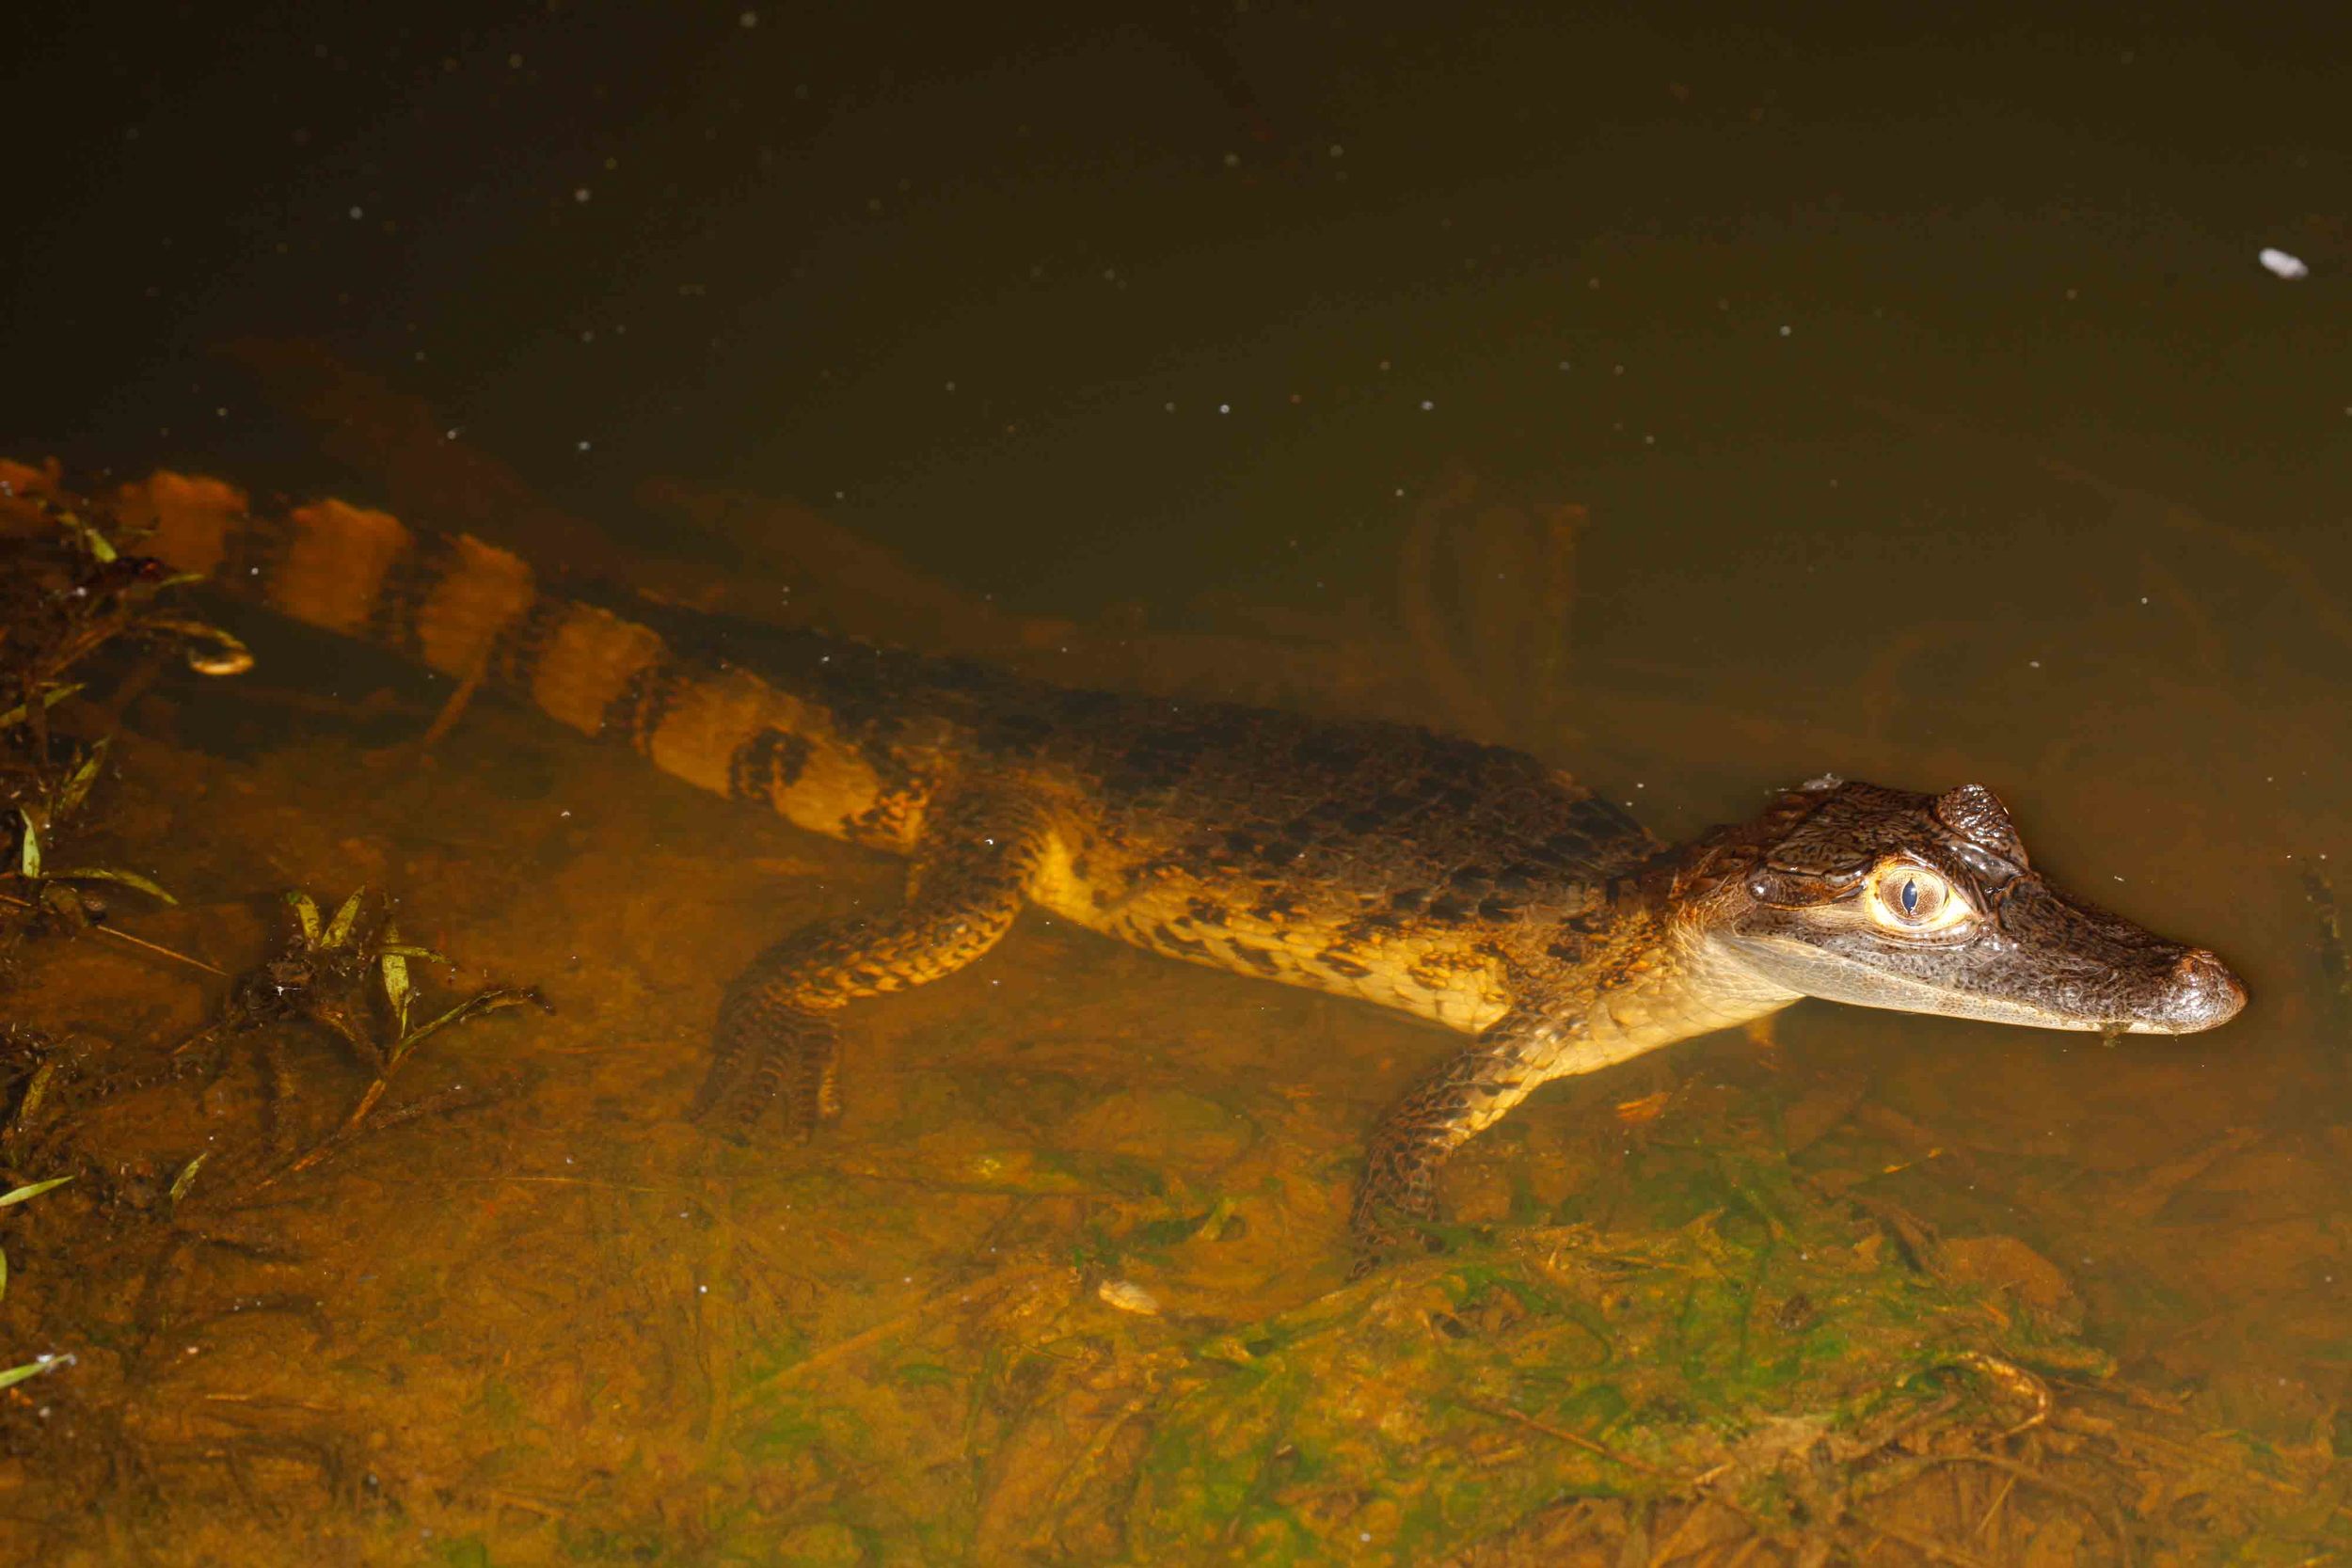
[1466,1094]
[776,1047]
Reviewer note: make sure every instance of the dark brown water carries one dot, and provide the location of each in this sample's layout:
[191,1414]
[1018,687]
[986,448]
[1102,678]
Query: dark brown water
[1700,404]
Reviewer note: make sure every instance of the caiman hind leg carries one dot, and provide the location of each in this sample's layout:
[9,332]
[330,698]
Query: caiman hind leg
[1466,1094]
[776,1048]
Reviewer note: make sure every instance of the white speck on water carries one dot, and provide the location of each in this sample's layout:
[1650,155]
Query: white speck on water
[580,193]
[1426,405]
[357,213]
[1224,408]
[747,19]
[2280,265]
[2033,664]
[1784,331]
[583,446]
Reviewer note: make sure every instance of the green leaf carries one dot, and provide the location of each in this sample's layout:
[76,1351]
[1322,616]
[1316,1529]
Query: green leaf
[50,698]
[306,915]
[339,929]
[4,1275]
[473,1007]
[107,874]
[77,788]
[95,542]
[35,1090]
[28,850]
[186,1179]
[15,1375]
[32,1189]
[397,990]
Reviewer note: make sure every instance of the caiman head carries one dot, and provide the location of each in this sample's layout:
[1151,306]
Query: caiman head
[1928,904]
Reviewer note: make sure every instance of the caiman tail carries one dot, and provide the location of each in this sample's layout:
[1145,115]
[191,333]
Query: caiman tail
[481,615]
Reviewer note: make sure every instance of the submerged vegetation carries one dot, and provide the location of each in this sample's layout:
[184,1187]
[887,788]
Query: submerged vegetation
[348,975]
[102,1271]
[68,595]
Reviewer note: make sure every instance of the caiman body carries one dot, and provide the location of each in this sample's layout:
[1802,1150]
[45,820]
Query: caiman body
[1466,884]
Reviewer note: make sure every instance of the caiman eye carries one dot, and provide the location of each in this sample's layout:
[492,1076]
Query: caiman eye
[1909,899]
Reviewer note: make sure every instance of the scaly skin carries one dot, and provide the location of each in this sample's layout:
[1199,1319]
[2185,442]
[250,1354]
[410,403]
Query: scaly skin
[1466,884]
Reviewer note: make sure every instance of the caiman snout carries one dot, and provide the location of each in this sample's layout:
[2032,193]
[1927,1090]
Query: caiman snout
[2202,993]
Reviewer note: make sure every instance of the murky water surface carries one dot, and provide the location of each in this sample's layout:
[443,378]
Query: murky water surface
[1699,408]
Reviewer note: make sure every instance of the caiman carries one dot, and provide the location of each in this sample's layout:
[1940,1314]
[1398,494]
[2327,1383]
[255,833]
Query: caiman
[1466,884]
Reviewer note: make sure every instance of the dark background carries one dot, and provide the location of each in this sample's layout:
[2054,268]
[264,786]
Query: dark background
[796,235]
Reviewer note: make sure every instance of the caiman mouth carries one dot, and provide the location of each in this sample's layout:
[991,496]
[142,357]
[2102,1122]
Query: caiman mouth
[2193,991]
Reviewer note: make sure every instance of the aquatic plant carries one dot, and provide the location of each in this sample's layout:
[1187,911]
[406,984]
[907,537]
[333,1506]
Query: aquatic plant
[68,594]
[348,974]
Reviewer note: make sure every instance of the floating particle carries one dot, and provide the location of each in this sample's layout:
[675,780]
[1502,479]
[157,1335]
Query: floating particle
[2280,265]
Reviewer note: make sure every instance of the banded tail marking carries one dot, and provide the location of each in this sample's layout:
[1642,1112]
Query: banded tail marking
[461,606]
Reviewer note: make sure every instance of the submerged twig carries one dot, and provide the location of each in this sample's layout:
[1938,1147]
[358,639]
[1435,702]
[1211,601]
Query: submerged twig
[156,947]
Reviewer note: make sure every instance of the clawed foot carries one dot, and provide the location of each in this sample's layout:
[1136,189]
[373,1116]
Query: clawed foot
[771,1063]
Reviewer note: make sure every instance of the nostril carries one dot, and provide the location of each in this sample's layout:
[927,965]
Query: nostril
[2204,993]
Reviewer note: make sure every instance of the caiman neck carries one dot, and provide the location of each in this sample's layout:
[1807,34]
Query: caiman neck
[1660,974]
